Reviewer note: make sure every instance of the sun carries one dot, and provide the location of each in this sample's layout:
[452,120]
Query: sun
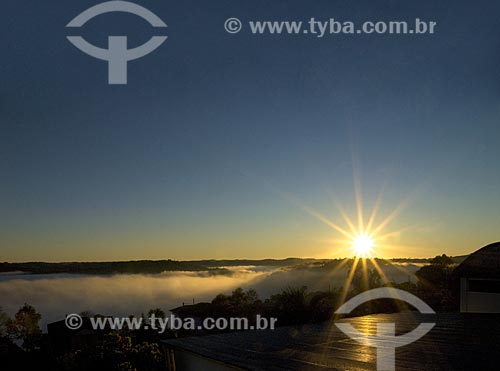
[362,245]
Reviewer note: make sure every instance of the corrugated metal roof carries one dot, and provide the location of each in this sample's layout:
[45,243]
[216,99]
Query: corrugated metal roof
[457,342]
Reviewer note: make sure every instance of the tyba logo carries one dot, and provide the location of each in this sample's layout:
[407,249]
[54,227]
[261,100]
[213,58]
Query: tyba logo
[385,340]
[117,55]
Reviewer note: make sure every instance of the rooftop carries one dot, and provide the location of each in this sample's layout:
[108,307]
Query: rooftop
[457,342]
[484,263]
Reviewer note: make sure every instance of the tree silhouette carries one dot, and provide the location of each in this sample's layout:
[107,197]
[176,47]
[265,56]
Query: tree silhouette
[4,323]
[158,313]
[442,260]
[364,279]
[290,306]
[26,327]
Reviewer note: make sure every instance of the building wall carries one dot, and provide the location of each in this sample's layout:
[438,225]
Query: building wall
[187,361]
[478,302]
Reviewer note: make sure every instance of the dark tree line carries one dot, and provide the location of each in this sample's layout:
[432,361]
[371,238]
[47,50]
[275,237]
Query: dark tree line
[143,266]
[297,305]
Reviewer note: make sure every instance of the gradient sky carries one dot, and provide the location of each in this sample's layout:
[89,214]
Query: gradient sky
[217,138]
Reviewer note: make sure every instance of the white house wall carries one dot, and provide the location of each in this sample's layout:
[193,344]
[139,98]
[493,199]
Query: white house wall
[477,302]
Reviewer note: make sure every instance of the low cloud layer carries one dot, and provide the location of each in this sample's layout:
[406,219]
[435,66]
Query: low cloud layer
[55,296]
[119,295]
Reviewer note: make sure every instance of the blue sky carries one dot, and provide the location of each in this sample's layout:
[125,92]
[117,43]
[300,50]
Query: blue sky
[197,156]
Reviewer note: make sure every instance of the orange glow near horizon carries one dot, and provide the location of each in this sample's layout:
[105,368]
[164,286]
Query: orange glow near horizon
[364,240]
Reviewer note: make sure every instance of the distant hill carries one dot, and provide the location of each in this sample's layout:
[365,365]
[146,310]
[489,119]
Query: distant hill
[159,266]
[143,266]
[249,262]
[455,259]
